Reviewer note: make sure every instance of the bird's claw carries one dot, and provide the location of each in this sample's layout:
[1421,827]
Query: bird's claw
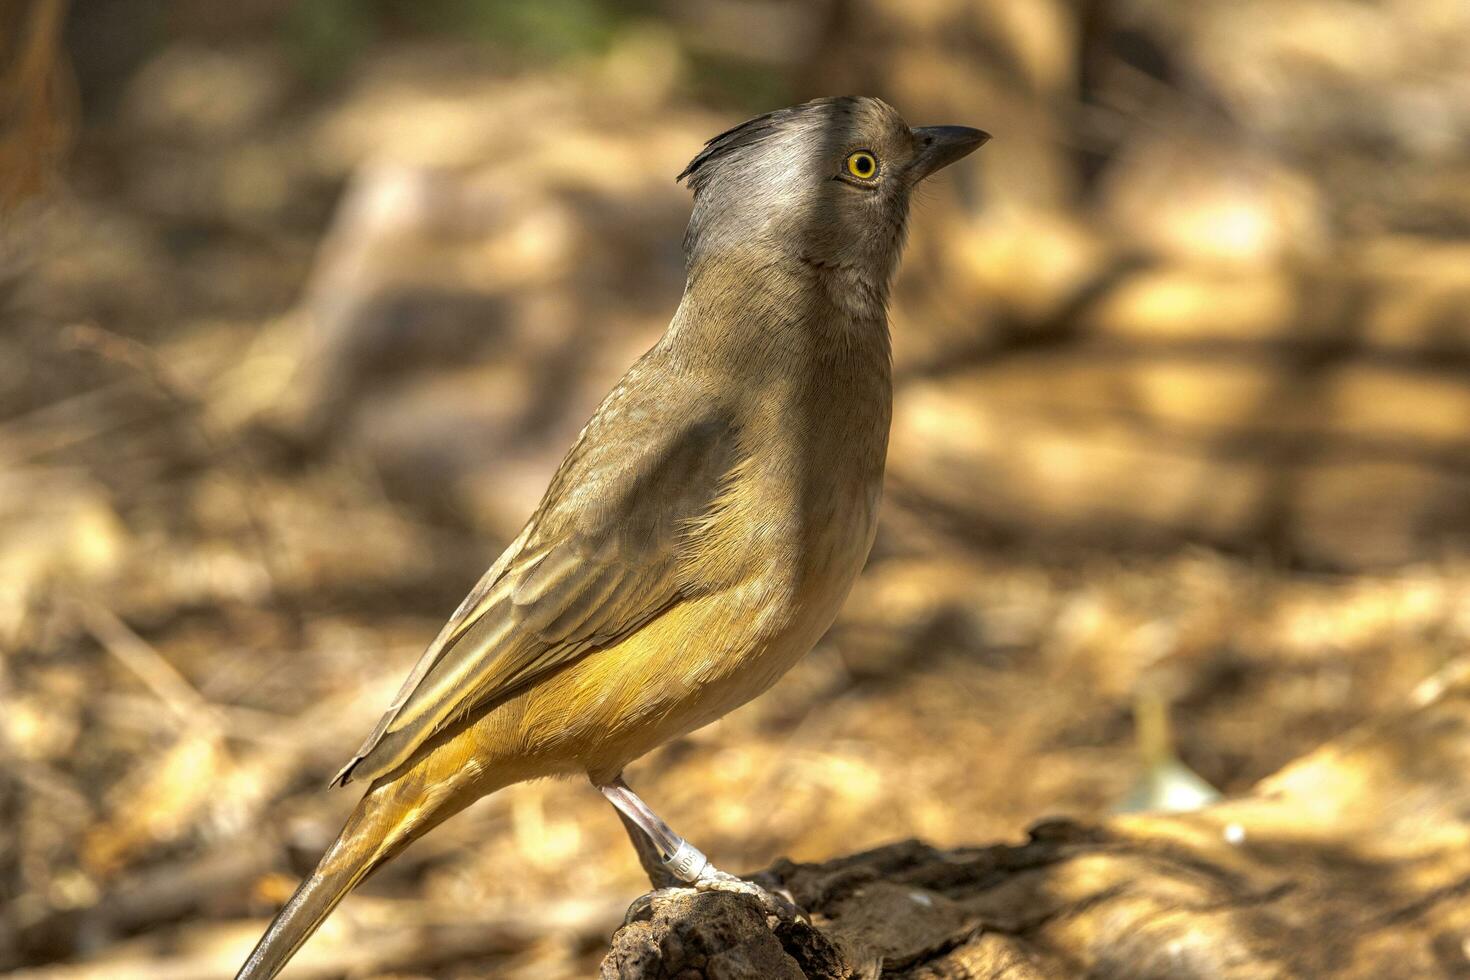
[642,907]
[777,903]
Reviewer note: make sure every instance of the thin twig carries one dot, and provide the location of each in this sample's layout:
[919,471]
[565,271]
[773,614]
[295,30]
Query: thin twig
[222,446]
[150,666]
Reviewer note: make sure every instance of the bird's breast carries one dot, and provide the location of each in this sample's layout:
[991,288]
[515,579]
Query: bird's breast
[806,498]
[766,568]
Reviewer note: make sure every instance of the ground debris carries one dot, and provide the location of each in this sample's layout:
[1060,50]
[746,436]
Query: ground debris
[1350,862]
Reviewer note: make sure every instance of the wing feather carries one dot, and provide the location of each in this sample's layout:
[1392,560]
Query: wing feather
[601,556]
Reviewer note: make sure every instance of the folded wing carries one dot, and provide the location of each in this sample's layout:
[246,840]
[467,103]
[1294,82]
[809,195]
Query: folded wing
[600,557]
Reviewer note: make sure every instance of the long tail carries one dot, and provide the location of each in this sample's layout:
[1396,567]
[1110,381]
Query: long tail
[387,819]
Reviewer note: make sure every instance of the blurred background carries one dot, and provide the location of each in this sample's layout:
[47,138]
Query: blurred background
[301,302]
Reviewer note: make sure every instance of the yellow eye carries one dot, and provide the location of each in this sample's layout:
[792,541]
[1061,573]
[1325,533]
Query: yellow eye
[862,164]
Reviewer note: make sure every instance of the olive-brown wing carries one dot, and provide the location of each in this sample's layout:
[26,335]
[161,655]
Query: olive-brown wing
[601,556]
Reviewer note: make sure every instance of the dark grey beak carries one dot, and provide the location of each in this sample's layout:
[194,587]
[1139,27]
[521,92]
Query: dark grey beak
[939,146]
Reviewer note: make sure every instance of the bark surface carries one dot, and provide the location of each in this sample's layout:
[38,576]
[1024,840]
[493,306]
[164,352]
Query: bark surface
[1351,862]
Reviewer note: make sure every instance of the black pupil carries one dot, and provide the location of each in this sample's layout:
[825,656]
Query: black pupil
[863,165]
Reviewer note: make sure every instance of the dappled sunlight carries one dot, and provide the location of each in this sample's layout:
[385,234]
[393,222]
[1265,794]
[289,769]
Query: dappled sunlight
[299,311]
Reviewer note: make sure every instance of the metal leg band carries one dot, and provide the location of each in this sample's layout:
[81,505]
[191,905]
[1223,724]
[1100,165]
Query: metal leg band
[687,862]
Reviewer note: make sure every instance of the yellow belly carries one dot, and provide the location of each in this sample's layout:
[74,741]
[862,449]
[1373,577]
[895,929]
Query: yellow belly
[696,663]
[700,660]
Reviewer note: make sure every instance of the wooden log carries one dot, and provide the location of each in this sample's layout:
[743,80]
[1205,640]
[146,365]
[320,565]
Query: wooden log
[1350,862]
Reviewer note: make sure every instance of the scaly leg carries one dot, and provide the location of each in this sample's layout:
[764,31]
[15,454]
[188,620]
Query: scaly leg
[681,859]
[659,876]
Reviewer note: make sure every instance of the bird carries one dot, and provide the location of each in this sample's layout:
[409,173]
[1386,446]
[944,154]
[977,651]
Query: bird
[704,528]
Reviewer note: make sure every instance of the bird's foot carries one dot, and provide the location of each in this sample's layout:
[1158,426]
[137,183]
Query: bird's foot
[641,910]
[777,903]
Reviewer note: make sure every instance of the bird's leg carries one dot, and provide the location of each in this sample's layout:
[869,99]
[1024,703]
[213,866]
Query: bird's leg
[659,876]
[679,859]
[677,856]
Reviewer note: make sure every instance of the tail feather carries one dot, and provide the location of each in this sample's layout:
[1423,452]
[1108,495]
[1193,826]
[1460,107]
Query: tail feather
[388,818]
[313,901]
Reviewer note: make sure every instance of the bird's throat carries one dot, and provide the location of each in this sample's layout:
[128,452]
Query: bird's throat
[782,315]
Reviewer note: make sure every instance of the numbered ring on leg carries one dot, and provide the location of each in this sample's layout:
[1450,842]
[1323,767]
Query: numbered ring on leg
[687,862]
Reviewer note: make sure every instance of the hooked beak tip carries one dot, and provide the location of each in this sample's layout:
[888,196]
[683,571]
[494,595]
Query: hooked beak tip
[939,146]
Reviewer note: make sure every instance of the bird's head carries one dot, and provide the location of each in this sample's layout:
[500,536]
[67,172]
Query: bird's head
[826,183]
